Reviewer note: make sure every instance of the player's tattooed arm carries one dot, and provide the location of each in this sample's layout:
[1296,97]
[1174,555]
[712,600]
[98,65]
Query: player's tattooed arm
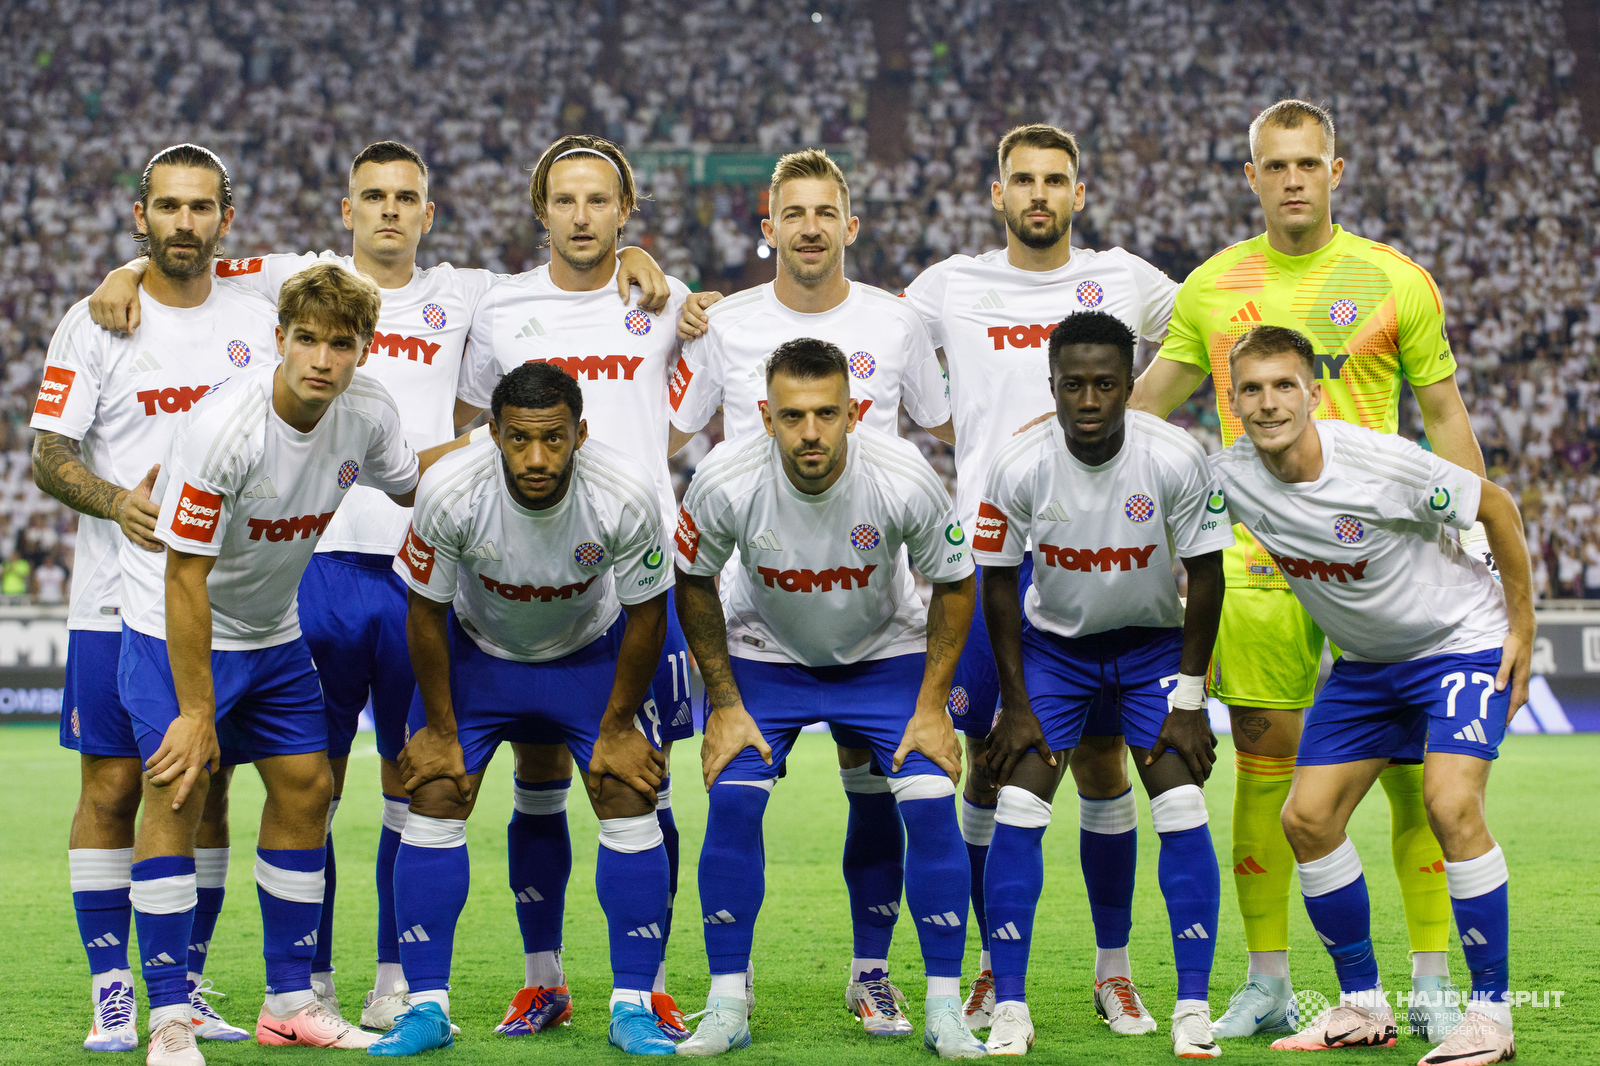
[729,727]
[59,471]
[930,730]
[1502,524]
[621,751]
[1017,730]
[433,752]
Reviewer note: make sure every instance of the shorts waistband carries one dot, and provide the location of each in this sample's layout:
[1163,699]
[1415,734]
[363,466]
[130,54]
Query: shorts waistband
[365,560]
[1109,644]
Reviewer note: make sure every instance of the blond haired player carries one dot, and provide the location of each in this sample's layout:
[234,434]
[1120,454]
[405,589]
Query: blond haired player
[1377,321]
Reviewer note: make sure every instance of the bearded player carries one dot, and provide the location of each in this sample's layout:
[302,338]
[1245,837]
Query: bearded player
[1377,321]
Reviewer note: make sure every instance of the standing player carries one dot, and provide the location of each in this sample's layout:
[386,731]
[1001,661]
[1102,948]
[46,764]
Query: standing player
[1377,321]
[1435,651]
[213,666]
[542,540]
[354,605]
[991,315]
[106,412]
[1120,495]
[819,621]
[891,361]
[570,313]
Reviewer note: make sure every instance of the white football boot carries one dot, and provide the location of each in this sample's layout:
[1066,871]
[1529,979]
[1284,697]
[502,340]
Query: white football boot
[1118,1002]
[1010,1030]
[1191,1034]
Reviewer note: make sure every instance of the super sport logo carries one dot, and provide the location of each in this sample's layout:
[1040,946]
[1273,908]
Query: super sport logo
[989,531]
[196,516]
[688,536]
[53,391]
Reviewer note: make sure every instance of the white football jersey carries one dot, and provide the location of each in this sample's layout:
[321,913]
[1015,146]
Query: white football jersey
[993,321]
[532,586]
[620,354]
[122,397]
[1365,548]
[821,580]
[1104,537]
[241,484]
[889,352]
[416,354]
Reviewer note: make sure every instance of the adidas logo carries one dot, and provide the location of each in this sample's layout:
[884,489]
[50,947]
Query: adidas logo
[530,329]
[720,918]
[1247,313]
[1054,513]
[1195,932]
[529,895]
[200,949]
[767,541]
[487,550]
[1436,868]
[948,918]
[262,491]
[888,910]
[162,959]
[414,935]
[1249,866]
[1008,931]
[648,932]
[1472,938]
[1474,732]
[109,940]
[144,364]
[1265,526]
[990,301]
[307,941]
[685,714]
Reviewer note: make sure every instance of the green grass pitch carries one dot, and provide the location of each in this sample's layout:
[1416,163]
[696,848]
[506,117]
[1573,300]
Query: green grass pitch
[1542,802]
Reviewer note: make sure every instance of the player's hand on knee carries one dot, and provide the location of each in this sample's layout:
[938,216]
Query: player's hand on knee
[1187,732]
[625,754]
[729,730]
[1516,658]
[934,735]
[431,755]
[692,322]
[188,747]
[1016,732]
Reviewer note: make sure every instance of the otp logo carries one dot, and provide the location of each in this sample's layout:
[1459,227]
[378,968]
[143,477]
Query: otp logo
[53,391]
[688,537]
[1021,336]
[989,534]
[410,347]
[196,517]
[417,554]
[172,401]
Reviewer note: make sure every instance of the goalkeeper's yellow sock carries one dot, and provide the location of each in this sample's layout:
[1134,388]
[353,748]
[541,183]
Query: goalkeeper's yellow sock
[1418,860]
[1262,859]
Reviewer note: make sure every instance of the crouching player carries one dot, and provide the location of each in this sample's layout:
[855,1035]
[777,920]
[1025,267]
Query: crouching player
[1107,497]
[822,623]
[542,540]
[213,666]
[1433,648]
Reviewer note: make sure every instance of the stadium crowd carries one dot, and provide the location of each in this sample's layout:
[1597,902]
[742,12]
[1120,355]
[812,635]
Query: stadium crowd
[1463,148]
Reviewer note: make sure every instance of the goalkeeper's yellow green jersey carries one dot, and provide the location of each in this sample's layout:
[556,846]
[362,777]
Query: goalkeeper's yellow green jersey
[1374,317]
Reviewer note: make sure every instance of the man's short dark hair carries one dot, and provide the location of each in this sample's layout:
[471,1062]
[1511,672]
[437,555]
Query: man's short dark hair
[807,359]
[1093,327]
[537,387]
[1273,340]
[1039,135]
[389,152]
[185,155]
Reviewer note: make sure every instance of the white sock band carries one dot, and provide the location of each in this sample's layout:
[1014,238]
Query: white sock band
[1331,872]
[1179,809]
[394,814]
[921,787]
[1021,808]
[424,832]
[163,895]
[862,781]
[211,867]
[977,823]
[764,785]
[631,835]
[1474,877]
[296,886]
[333,807]
[664,796]
[100,869]
[541,800]
[1108,817]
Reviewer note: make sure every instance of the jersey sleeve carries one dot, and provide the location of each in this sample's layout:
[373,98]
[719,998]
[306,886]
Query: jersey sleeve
[642,572]
[428,557]
[390,465]
[74,371]
[1425,355]
[704,539]
[265,273]
[1186,342]
[694,388]
[925,294]
[1451,496]
[200,491]
[1157,295]
[1196,508]
[480,369]
[1005,514]
[933,533]
[924,391]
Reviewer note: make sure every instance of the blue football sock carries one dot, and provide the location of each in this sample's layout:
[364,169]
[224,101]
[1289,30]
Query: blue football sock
[1336,900]
[630,879]
[394,823]
[669,840]
[431,877]
[874,869]
[100,880]
[539,853]
[977,830]
[937,880]
[1191,885]
[732,874]
[1479,899]
[289,886]
[1108,851]
[163,897]
[322,958]
[211,881]
[1012,882]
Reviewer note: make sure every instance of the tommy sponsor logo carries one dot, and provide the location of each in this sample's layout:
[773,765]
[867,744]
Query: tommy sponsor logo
[417,555]
[989,534]
[1087,559]
[678,384]
[172,401]
[411,348]
[232,268]
[594,367]
[53,391]
[196,517]
[277,529]
[1344,573]
[688,535]
[1332,363]
[529,593]
[845,577]
[1020,336]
